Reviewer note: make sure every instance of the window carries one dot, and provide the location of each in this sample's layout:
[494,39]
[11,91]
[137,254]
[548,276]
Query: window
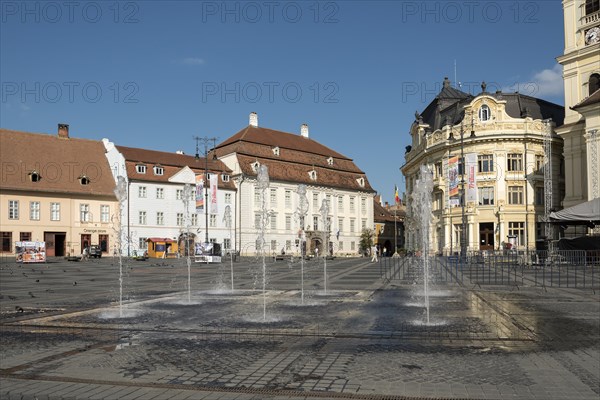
[104,213]
[361,182]
[539,196]
[341,224]
[352,204]
[288,199]
[275,150]
[227,243]
[457,234]
[315,223]
[34,210]
[140,168]
[539,164]
[25,236]
[142,244]
[315,201]
[274,245]
[352,245]
[592,6]
[363,205]
[515,195]
[13,209]
[179,194]
[227,222]
[142,192]
[142,218]
[84,212]
[515,162]
[340,203]
[194,219]
[288,222]
[330,161]
[363,224]
[517,229]
[485,163]
[352,223]
[158,170]
[160,193]
[484,113]
[273,198]
[257,199]
[593,83]
[486,196]
[312,175]
[340,245]
[438,169]
[288,245]
[257,219]
[6,242]
[179,219]
[212,220]
[84,180]
[225,178]
[54,211]
[273,221]
[160,218]
[329,203]
[227,198]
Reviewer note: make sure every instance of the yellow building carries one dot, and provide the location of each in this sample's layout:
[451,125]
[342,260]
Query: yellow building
[581,73]
[57,189]
[501,136]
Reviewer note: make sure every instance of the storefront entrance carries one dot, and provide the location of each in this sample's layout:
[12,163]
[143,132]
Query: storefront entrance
[486,236]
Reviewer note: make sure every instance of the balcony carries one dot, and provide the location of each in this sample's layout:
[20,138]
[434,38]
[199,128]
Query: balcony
[590,19]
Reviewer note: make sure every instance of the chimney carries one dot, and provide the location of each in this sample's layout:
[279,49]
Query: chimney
[63,131]
[254,119]
[304,130]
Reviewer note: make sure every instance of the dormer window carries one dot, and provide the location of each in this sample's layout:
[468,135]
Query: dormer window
[361,181]
[275,150]
[35,176]
[140,168]
[158,170]
[312,175]
[484,113]
[84,180]
[225,178]
[255,166]
[330,161]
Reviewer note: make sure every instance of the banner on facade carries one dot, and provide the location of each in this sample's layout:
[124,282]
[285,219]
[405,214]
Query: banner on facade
[31,252]
[471,164]
[453,176]
[199,193]
[214,179]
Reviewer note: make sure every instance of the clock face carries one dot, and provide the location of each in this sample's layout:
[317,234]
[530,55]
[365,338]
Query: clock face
[592,35]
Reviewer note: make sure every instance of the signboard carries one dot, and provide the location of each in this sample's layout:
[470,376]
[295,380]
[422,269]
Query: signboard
[199,193]
[31,252]
[214,179]
[453,176]
[471,164]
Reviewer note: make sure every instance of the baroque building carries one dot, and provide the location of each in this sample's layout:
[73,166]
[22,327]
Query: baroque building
[329,177]
[56,189]
[581,73]
[487,156]
[156,206]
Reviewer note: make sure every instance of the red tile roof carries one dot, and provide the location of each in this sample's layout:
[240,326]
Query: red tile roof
[59,161]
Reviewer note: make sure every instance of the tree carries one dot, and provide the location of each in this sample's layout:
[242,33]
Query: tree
[366,241]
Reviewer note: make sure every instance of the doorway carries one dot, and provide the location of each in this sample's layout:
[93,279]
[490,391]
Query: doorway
[486,236]
[86,241]
[55,243]
[103,243]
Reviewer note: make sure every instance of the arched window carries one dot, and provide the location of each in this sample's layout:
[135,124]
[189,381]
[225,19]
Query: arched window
[484,113]
[594,83]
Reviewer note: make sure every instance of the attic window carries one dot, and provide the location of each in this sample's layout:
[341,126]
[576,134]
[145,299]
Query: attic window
[84,180]
[361,181]
[35,176]
[255,166]
[158,170]
[276,150]
[140,168]
[484,113]
[312,175]
[330,161]
[225,178]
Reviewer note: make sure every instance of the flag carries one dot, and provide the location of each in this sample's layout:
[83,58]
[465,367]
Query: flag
[396,196]
[199,193]
[453,176]
[213,193]
[471,164]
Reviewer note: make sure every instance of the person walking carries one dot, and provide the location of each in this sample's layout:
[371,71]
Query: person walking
[374,254]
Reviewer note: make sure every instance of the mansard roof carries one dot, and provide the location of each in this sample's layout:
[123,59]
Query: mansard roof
[60,163]
[297,155]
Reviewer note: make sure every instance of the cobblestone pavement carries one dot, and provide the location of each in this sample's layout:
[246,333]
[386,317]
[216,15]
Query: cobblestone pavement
[64,336]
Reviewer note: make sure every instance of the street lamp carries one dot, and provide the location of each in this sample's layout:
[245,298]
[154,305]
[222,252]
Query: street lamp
[205,140]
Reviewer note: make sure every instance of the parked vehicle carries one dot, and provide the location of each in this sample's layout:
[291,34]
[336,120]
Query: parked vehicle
[95,251]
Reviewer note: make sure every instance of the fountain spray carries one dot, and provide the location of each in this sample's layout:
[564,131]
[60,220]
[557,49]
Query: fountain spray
[301,212]
[121,194]
[324,213]
[263,185]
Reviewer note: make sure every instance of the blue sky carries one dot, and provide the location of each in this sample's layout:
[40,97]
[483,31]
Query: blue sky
[154,74]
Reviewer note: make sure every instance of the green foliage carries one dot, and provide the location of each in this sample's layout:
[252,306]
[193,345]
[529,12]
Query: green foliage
[366,241]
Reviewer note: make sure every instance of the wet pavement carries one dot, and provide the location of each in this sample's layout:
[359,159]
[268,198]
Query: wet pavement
[64,335]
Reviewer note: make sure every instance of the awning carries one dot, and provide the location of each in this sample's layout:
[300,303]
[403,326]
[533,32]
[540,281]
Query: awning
[584,213]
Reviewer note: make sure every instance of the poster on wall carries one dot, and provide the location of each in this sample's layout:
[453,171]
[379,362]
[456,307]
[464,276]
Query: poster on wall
[31,252]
